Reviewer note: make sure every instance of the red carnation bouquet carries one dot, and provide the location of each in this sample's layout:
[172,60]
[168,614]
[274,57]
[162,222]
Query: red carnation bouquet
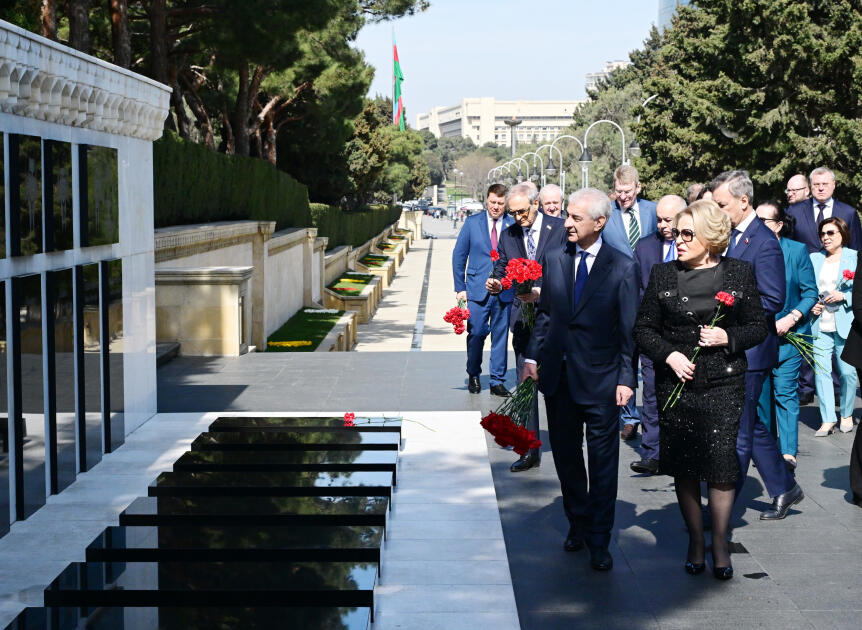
[521,273]
[507,424]
[457,315]
[724,299]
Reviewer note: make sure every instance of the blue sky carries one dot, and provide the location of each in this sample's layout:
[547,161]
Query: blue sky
[508,49]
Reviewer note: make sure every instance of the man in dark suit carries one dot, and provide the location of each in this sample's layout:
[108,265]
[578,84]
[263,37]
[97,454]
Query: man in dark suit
[583,340]
[632,218]
[810,212]
[755,243]
[533,236]
[471,266]
[652,250]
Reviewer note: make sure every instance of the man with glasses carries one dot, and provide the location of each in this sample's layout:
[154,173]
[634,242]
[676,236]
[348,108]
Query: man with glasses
[797,189]
[532,236]
[653,250]
[756,244]
[810,212]
[632,218]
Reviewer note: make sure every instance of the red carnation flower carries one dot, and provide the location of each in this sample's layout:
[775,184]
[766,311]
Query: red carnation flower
[348,419]
[725,298]
[507,283]
[849,275]
[495,256]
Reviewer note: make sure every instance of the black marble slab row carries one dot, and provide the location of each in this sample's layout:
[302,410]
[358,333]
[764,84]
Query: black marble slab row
[362,424]
[296,441]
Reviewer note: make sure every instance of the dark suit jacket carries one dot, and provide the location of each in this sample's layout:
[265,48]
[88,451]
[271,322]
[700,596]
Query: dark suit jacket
[648,252]
[853,347]
[552,237]
[759,247]
[664,325]
[595,338]
[471,257]
[806,228]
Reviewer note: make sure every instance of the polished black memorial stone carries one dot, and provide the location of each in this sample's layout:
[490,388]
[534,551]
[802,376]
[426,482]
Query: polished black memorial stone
[276,483]
[295,441]
[247,461]
[192,618]
[250,543]
[257,511]
[229,584]
[282,423]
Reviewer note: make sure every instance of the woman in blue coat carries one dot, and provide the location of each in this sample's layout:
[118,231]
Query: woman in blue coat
[833,316]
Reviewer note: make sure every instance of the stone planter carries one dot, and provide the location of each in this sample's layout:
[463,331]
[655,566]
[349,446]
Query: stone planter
[386,273]
[364,303]
[342,337]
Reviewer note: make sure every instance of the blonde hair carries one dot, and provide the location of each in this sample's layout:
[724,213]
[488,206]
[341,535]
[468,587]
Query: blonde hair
[711,225]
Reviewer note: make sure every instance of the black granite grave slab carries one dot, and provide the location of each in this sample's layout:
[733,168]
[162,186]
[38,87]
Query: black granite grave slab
[264,461]
[250,543]
[295,441]
[201,584]
[274,483]
[281,423]
[189,618]
[257,511]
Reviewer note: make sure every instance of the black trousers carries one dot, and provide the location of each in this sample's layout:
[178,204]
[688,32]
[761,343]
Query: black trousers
[856,464]
[589,497]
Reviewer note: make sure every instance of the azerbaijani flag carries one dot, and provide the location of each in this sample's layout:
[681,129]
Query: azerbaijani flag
[397,78]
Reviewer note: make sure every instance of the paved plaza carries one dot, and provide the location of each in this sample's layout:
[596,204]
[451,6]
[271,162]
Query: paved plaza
[445,563]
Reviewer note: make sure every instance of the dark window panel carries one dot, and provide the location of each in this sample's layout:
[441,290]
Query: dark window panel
[5,506]
[88,358]
[25,207]
[3,198]
[28,385]
[99,203]
[57,177]
[112,368]
[60,355]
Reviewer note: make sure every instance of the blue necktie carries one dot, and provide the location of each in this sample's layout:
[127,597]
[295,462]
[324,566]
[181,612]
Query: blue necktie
[531,245]
[581,277]
[671,252]
[734,239]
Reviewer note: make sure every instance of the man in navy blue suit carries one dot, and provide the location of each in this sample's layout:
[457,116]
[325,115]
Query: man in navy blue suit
[471,266]
[533,236]
[652,250]
[810,212]
[632,218]
[756,244]
[583,340]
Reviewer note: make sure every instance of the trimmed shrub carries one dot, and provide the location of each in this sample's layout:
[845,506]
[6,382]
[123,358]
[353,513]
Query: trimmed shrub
[354,227]
[193,184]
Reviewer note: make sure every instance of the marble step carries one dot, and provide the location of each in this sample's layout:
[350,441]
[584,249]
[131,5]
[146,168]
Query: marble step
[297,423]
[191,618]
[269,484]
[296,441]
[237,543]
[264,461]
[221,584]
[257,511]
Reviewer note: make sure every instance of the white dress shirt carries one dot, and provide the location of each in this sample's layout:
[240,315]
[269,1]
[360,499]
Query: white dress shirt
[491,226]
[827,211]
[665,246]
[627,218]
[537,225]
[741,228]
[592,252]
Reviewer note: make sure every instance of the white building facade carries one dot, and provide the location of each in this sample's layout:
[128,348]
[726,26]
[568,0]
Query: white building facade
[593,78]
[483,120]
[666,10]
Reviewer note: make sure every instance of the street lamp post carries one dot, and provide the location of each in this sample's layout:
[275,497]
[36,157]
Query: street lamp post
[520,176]
[562,170]
[536,175]
[512,123]
[550,169]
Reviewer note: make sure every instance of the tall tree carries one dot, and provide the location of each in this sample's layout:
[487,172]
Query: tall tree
[79,25]
[49,19]
[121,38]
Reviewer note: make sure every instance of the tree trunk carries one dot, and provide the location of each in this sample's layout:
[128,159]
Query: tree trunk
[119,11]
[196,105]
[49,19]
[79,25]
[269,135]
[177,103]
[158,40]
[240,114]
[227,133]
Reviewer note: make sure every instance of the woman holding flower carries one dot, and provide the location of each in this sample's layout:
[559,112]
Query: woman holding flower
[698,316]
[834,268]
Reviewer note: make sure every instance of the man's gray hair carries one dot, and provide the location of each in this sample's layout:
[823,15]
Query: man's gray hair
[739,184]
[524,189]
[550,188]
[676,202]
[600,203]
[822,170]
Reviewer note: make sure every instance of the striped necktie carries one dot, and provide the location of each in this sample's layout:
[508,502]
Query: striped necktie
[531,245]
[634,228]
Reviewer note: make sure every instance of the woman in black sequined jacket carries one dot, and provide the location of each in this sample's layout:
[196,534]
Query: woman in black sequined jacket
[698,424]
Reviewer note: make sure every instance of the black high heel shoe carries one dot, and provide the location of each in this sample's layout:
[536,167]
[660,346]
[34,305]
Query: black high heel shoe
[722,573]
[693,568]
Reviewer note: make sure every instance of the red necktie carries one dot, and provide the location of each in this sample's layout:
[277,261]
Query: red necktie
[494,235]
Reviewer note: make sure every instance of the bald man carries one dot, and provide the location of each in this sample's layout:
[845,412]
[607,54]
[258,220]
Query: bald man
[652,250]
[797,189]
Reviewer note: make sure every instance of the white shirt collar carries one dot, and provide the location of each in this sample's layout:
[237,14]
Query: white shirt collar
[827,203]
[537,224]
[745,223]
[592,250]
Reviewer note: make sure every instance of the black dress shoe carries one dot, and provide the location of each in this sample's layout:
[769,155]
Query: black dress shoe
[600,559]
[694,568]
[473,385]
[525,463]
[782,503]
[722,573]
[573,542]
[805,399]
[645,466]
[500,390]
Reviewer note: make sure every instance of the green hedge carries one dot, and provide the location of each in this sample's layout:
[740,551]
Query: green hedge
[352,228]
[193,184]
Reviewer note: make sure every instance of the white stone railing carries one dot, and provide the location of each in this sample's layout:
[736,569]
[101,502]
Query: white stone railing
[45,80]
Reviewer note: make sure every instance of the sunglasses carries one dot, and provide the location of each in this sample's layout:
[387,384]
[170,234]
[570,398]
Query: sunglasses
[517,213]
[685,235]
[828,233]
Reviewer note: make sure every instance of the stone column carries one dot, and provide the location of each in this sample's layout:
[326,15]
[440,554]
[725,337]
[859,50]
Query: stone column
[258,283]
[307,269]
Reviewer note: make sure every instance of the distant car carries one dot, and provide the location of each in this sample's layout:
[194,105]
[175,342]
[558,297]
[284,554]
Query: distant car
[472,207]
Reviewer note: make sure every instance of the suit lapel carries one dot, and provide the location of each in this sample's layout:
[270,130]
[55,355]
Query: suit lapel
[544,235]
[566,260]
[595,278]
[745,238]
[518,233]
[809,220]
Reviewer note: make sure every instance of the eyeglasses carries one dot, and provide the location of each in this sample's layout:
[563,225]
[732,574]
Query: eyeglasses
[517,213]
[828,233]
[685,235]
[770,220]
[787,191]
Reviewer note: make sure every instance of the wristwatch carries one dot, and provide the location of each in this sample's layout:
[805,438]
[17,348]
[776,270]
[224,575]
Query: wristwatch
[795,317]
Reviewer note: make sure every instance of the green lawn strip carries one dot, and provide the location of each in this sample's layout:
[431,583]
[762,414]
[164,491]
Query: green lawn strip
[395,237]
[374,260]
[351,284]
[386,247]
[303,326]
